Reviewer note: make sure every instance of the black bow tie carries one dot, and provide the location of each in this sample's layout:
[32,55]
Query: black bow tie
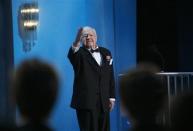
[96,50]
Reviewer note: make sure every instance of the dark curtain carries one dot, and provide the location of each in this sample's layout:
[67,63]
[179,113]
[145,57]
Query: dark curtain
[7,110]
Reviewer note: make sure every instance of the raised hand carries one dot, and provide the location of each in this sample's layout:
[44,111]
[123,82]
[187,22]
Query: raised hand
[78,38]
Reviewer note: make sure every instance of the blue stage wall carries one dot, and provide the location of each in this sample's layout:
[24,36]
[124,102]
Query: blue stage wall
[125,45]
[115,23]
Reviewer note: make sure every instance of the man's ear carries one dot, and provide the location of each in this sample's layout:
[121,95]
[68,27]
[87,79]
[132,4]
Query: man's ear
[96,39]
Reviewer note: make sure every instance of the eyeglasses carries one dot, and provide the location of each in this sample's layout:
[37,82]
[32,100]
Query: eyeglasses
[86,35]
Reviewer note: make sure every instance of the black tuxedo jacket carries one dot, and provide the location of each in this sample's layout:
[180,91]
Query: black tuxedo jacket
[91,80]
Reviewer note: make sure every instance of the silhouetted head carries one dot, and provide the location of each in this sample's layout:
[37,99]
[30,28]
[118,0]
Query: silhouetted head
[36,86]
[142,93]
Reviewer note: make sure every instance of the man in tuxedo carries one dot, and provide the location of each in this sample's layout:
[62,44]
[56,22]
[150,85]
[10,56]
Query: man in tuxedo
[94,87]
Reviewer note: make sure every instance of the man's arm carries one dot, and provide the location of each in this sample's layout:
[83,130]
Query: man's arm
[112,80]
[112,86]
[73,52]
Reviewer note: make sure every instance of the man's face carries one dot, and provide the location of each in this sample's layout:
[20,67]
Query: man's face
[89,38]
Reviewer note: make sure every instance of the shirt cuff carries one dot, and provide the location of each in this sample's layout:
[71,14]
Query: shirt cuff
[112,99]
[75,49]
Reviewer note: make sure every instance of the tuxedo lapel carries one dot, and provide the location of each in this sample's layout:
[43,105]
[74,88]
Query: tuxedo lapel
[103,57]
[91,59]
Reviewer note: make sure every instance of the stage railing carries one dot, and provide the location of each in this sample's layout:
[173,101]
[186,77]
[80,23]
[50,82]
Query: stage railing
[176,83]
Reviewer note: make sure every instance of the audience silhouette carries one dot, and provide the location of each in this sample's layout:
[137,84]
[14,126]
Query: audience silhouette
[142,97]
[36,85]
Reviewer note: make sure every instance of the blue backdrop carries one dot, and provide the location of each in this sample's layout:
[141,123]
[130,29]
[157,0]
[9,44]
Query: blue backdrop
[115,23]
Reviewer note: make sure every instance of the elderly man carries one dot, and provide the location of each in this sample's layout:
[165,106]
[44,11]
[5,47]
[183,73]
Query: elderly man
[94,88]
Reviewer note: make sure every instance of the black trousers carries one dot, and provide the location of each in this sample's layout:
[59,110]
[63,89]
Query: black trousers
[93,120]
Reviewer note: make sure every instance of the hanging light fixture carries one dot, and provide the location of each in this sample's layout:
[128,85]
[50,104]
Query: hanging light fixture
[28,23]
[29,13]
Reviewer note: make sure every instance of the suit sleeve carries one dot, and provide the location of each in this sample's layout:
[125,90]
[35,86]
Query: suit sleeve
[112,82]
[74,58]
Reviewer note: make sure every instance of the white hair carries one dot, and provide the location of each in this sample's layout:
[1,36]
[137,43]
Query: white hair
[88,28]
